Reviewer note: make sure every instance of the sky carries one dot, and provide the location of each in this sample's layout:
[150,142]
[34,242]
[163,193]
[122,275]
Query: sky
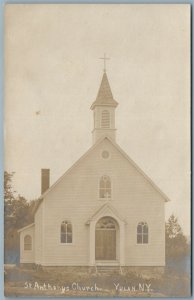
[52,76]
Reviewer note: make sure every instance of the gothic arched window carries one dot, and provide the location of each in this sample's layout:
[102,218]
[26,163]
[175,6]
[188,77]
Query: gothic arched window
[142,233]
[105,120]
[27,242]
[66,232]
[105,187]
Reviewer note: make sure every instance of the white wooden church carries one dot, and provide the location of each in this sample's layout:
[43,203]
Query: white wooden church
[104,210]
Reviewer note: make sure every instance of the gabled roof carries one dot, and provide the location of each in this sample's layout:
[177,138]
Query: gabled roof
[26,227]
[106,208]
[140,171]
[104,97]
[122,152]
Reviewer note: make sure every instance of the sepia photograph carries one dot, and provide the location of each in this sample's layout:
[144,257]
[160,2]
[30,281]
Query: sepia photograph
[97,150]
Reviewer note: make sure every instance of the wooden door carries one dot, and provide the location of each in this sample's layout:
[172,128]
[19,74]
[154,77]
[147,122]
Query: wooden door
[105,244]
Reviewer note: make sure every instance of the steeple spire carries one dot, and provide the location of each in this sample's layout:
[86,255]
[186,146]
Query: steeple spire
[104,111]
[104,96]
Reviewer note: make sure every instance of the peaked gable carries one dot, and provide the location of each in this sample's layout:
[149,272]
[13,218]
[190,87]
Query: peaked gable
[140,171]
[106,208]
[122,152]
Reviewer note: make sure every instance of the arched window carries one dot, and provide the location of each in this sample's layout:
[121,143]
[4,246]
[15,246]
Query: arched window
[27,242]
[106,223]
[105,187]
[66,232]
[105,121]
[142,233]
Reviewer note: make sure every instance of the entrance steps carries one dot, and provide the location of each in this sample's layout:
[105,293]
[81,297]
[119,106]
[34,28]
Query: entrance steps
[109,270]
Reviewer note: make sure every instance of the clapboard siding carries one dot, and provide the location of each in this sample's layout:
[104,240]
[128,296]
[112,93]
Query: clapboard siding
[39,234]
[76,198]
[27,256]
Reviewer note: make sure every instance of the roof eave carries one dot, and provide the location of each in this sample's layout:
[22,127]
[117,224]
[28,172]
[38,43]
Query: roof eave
[25,227]
[166,199]
[103,104]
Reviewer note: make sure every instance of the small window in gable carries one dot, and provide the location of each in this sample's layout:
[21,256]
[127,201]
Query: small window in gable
[105,121]
[66,232]
[27,242]
[105,187]
[105,154]
[142,233]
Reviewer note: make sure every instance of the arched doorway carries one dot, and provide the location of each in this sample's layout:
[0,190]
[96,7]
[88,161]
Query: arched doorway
[106,239]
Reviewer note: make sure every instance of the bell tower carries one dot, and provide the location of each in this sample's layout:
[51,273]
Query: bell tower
[104,112]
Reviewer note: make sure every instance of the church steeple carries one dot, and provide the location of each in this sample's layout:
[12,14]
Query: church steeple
[104,112]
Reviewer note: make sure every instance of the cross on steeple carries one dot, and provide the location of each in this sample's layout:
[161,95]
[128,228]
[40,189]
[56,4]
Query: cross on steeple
[104,58]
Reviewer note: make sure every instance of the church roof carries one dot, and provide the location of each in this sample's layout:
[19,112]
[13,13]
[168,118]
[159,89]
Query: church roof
[165,197]
[26,227]
[104,96]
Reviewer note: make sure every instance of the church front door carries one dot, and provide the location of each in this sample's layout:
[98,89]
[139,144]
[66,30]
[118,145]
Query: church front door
[105,239]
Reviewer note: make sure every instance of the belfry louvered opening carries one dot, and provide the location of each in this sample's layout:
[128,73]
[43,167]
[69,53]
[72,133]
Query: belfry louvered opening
[105,121]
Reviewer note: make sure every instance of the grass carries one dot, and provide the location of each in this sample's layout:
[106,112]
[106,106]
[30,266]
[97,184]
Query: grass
[68,283]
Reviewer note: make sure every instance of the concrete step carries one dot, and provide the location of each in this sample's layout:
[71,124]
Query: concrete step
[108,269]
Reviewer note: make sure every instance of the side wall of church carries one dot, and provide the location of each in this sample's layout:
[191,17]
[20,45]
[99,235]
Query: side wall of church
[38,234]
[76,198]
[28,255]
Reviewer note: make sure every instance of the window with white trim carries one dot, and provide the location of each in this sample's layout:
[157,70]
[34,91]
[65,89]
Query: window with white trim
[66,232]
[142,233]
[105,187]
